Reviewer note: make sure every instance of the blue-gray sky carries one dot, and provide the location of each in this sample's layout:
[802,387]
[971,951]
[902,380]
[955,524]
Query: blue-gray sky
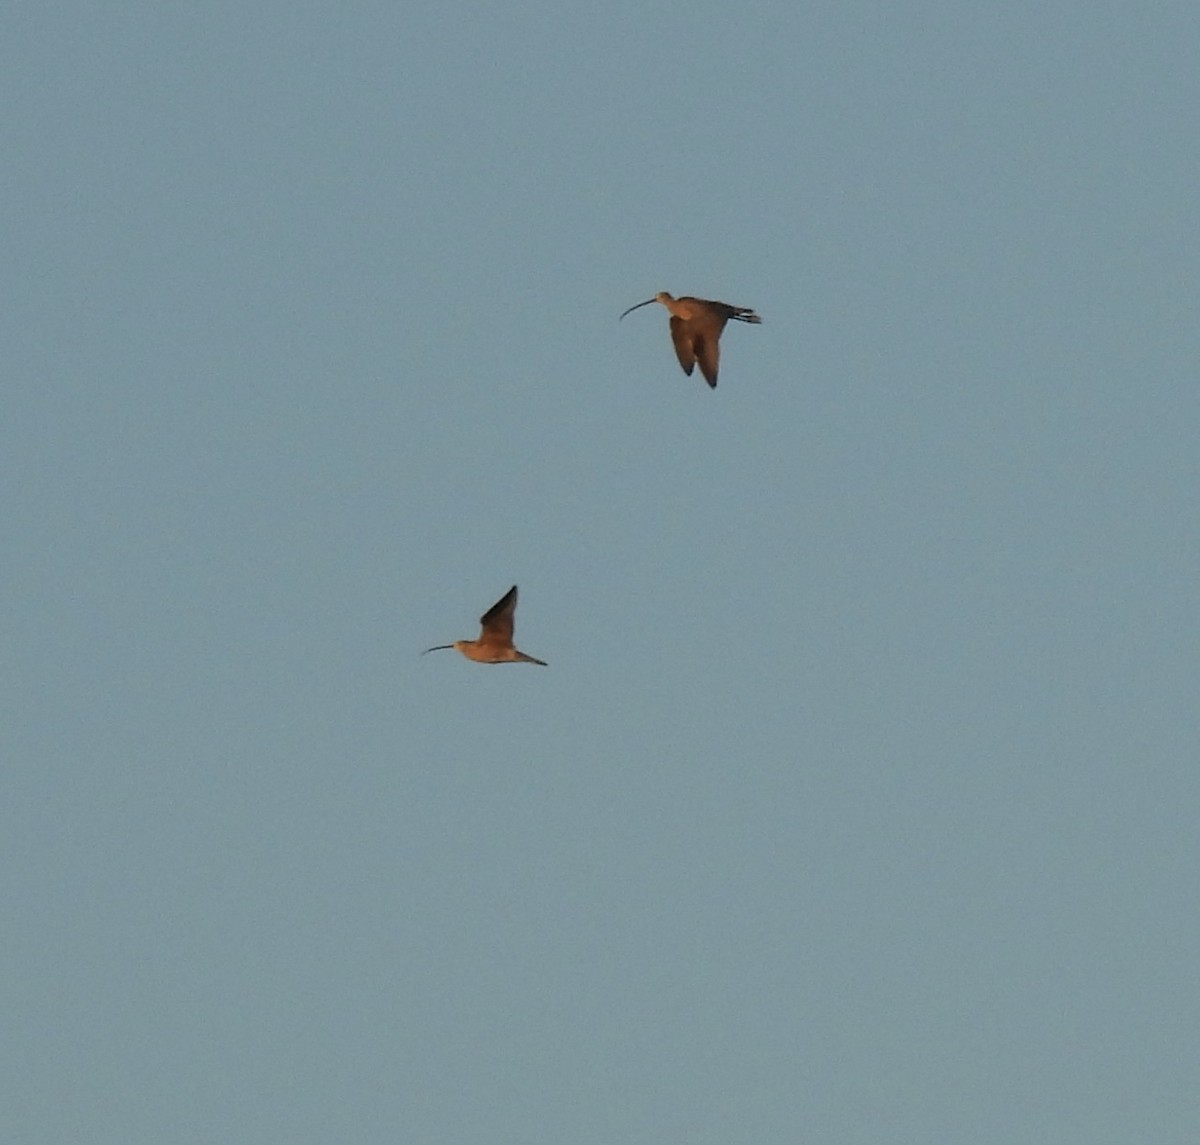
[859,801]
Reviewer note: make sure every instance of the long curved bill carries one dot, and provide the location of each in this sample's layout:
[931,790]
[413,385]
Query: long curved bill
[639,305]
[437,648]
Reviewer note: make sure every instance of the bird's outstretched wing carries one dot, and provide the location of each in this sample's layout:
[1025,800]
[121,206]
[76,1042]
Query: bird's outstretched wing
[681,335]
[708,353]
[497,623]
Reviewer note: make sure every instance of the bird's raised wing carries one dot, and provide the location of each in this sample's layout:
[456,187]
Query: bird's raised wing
[497,622]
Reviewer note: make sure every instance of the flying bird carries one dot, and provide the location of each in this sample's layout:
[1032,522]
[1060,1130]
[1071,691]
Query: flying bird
[495,643]
[696,325]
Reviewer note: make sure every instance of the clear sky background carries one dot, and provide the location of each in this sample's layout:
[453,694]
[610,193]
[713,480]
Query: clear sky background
[859,802]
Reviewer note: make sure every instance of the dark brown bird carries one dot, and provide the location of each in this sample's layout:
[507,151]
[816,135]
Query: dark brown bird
[696,325]
[495,643]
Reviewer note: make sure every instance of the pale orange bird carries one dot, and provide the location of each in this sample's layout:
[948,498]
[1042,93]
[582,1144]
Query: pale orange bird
[696,325]
[495,643]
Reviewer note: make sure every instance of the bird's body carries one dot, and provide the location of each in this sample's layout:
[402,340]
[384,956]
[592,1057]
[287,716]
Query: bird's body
[495,643]
[696,325]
